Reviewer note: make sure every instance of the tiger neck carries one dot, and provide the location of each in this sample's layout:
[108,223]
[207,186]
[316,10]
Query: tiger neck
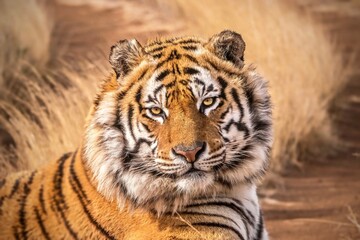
[80,171]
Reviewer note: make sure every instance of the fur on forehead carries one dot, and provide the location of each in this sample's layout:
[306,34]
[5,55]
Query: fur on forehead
[126,55]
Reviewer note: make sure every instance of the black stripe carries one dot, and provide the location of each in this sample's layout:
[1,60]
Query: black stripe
[219,225]
[220,69]
[223,85]
[156,49]
[238,160]
[118,122]
[77,188]
[22,203]
[138,144]
[190,71]
[190,48]
[198,81]
[236,97]
[191,58]
[249,93]
[14,188]
[138,98]
[41,199]
[210,88]
[230,205]
[162,75]
[41,224]
[157,55]
[260,228]
[158,89]
[138,95]
[160,64]
[189,41]
[209,214]
[146,127]
[75,178]
[223,115]
[171,84]
[130,116]
[247,211]
[59,197]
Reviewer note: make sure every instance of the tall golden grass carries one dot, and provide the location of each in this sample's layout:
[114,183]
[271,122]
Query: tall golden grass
[45,107]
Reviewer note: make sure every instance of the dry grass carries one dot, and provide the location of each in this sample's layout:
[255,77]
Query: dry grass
[304,70]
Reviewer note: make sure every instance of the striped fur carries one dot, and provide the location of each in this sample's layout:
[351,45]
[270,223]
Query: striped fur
[128,179]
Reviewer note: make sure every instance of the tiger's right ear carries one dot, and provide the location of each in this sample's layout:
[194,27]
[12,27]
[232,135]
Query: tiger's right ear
[124,56]
[228,45]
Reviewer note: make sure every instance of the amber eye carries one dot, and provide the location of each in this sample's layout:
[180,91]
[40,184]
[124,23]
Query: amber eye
[156,110]
[208,101]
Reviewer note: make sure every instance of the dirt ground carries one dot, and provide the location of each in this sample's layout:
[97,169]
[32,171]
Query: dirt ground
[322,200]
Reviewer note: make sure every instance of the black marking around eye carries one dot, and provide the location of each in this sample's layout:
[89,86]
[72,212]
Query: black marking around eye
[147,117]
[162,75]
[190,71]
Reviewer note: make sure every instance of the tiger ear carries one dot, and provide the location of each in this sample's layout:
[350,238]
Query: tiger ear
[124,56]
[228,45]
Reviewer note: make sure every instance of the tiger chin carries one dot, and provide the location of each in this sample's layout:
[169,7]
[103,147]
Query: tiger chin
[175,142]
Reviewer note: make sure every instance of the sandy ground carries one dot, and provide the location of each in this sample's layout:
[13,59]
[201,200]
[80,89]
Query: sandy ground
[318,201]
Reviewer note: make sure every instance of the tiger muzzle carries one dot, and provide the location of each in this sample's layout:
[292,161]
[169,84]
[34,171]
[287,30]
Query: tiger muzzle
[190,153]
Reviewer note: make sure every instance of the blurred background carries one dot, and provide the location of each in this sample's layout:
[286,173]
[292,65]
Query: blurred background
[53,55]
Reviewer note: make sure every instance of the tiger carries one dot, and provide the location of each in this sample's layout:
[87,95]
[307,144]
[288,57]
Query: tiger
[175,143]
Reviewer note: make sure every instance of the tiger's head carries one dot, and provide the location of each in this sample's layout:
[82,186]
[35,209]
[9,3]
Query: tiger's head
[180,118]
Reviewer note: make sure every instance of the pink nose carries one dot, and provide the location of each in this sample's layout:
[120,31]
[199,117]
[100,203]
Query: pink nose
[189,152]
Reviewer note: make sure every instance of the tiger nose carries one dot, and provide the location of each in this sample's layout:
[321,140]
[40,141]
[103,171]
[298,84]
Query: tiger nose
[191,153]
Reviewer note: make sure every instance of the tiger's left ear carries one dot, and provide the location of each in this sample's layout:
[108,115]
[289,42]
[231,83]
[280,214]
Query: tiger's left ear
[124,56]
[229,46]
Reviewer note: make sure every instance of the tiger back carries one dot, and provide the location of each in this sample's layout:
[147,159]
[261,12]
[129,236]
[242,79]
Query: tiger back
[174,145]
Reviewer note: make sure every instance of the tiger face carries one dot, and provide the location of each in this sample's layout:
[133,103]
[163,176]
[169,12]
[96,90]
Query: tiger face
[182,118]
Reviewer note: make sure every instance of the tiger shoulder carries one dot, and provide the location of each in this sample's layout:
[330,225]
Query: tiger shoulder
[175,142]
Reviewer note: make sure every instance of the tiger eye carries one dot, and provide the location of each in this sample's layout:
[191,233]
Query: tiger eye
[208,101]
[156,110]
